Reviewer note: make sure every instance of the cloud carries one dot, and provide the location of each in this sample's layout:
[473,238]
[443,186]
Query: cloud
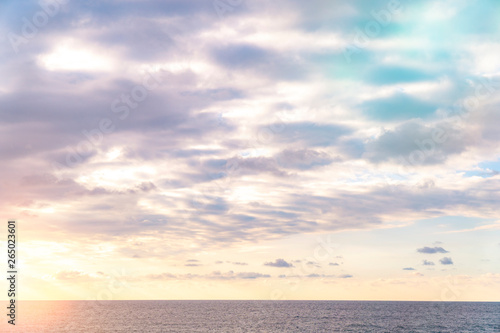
[431,250]
[333,264]
[345,276]
[238,263]
[413,143]
[315,275]
[279,263]
[312,263]
[308,134]
[427,263]
[323,276]
[446,261]
[215,275]
[254,165]
[251,275]
[303,159]
[162,276]
[258,127]
[408,269]
[241,56]
[75,276]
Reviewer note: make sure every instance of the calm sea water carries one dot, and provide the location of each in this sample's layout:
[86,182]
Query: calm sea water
[255,316]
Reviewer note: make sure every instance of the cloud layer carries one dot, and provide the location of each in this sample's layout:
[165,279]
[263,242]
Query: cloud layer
[172,129]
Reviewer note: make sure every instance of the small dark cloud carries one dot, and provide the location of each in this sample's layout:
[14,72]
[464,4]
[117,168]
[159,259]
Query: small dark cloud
[192,265]
[279,263]
[408,269]
[146,186]
[312,263]
[192,260]
[345,276]
[218,262]
[446,261]
[431,250]
[427,263]
[313,275]
[333,264]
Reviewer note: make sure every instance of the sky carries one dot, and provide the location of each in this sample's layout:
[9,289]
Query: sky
[237,149]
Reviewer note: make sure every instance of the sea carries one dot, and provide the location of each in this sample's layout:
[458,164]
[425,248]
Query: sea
[254,316]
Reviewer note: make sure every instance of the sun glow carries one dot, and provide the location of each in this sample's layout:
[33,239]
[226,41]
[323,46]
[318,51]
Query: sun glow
[72,56]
